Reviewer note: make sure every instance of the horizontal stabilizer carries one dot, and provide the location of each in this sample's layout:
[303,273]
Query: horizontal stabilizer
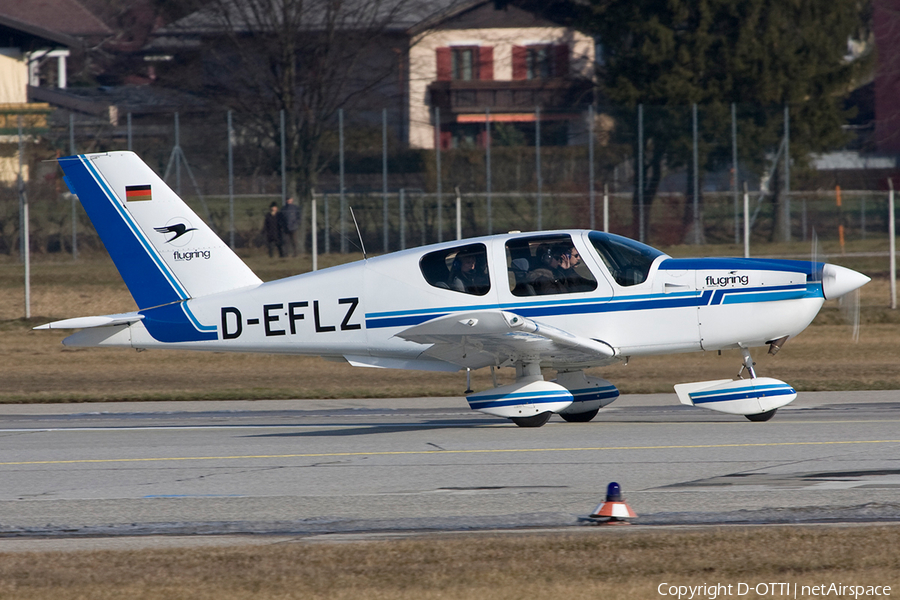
[88,322]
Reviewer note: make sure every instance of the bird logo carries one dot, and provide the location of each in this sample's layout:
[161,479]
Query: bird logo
[179,229]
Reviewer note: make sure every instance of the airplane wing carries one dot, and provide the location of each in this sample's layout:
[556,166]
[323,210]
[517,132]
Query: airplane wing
[495,337]
[88,322]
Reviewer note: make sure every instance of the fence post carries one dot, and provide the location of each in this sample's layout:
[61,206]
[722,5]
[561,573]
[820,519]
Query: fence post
[343,208]
[735,172]
[458,215]
[283,162]
[74,199]
[230,182]
[537,154]
[487,150]
[315,233]
[384,175]
[892,244]
[326,229]
[606,208]
[746,222]
[177,156]
[437,158]
[639,167]
[697,236]
[786,216]
[591,193]
[26,242]
[402,219]
[840,207]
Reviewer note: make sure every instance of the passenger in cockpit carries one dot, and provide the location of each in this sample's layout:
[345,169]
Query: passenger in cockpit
[467,275]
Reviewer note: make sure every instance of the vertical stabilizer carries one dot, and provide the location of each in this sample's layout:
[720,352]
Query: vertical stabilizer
[163,250]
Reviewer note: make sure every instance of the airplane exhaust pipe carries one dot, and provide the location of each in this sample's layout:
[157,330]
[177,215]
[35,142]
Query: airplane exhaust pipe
[775,345]
[837,281]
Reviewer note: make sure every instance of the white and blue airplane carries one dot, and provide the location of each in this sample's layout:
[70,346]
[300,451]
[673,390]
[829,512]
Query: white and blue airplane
[561,300]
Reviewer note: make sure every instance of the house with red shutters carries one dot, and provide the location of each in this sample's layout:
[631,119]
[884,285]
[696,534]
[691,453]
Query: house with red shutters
[494,61]
[455,63]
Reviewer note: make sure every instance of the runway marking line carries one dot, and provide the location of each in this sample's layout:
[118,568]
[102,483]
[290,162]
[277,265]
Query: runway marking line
[427,452]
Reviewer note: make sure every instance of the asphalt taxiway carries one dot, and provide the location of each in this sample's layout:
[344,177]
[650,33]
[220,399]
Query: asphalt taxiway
[311,467]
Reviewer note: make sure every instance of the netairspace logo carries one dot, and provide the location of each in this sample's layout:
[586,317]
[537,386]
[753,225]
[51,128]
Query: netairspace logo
[775,590]
[192,254]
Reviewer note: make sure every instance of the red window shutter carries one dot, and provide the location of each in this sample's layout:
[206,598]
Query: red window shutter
[486,63]
[446,140]
[560,60]
[443,64]
[519,62]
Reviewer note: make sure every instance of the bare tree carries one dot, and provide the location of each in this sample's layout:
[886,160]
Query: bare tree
[306,57]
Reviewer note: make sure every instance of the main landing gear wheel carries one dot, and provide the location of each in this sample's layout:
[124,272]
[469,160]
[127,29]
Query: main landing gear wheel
[535,421]
[765,416]
[582,417]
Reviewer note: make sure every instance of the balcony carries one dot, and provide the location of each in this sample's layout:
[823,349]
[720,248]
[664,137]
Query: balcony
[456,97]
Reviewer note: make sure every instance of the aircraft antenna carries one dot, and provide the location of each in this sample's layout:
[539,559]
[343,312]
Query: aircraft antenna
[359,233]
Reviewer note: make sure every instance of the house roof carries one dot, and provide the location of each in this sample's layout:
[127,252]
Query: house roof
[393,15]
[60,21]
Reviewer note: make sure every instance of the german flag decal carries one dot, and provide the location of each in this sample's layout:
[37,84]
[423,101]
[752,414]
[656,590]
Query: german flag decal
[137,192]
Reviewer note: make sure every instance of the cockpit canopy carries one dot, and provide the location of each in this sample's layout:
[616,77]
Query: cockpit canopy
[539,264]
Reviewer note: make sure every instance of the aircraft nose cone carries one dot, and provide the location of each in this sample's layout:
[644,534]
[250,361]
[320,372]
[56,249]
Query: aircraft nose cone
[837,281]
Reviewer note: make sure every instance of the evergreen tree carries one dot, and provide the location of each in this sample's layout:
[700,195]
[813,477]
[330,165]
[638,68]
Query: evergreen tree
[767,54]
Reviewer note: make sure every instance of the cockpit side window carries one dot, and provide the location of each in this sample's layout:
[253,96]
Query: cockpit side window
[628,261]
[547,264]
[460,269]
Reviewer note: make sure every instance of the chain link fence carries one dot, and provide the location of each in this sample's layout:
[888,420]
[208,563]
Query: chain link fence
[563,179]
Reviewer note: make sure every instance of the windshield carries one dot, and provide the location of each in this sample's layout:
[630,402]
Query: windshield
[628,261]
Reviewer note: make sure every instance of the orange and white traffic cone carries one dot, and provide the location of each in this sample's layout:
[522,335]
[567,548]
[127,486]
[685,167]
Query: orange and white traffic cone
[614,511]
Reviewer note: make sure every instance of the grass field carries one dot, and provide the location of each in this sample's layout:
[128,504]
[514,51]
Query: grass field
[600,563]
[589,563]
[37,368]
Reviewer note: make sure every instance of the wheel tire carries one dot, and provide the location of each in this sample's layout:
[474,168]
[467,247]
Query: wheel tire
[759,417]
[536,421]
[582,417]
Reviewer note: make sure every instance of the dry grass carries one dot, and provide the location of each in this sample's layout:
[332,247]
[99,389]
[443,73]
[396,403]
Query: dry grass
[37,368]
[595,564]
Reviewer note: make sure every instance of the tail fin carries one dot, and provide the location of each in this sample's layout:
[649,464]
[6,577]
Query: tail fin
[163,250]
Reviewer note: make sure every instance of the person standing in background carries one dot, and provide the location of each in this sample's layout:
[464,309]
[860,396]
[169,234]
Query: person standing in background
[272,230]
[290,223]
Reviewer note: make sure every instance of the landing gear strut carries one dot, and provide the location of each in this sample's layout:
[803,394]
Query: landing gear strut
[748,364]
